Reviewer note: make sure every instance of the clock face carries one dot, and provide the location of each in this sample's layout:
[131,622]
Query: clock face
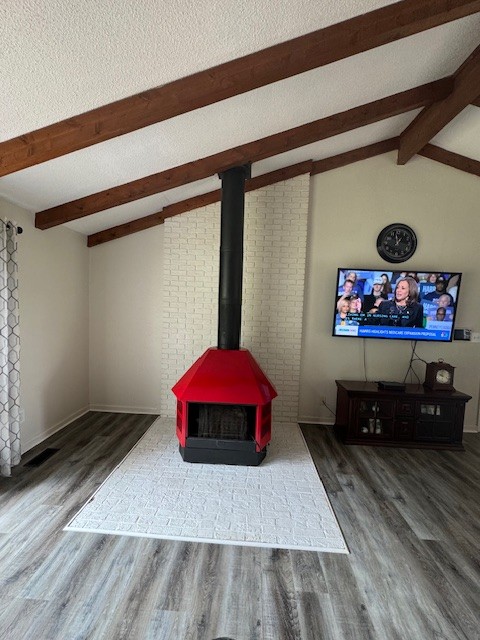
[443,376]
[396,243]
[439,375]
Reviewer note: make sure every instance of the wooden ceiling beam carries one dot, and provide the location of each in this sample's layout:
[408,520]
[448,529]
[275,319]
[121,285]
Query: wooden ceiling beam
[195,202]
[349,157]
[324,46]
[435,117]
[250,152]
[451,159]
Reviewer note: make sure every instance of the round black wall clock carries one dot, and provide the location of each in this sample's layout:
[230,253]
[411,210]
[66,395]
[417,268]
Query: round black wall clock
[396,243]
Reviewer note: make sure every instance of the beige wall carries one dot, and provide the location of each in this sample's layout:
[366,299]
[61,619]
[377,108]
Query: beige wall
[53,296]
[126,302]
[348,208]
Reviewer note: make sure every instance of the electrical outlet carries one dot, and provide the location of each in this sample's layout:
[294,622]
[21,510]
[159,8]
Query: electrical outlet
[475,336]
[462,334]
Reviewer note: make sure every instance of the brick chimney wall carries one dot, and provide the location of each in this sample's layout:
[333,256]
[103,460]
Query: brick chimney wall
[273,288]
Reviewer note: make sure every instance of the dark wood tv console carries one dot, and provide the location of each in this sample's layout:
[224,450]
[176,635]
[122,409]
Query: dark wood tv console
[416,417]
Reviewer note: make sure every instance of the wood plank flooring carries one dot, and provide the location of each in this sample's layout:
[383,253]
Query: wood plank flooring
[411,519]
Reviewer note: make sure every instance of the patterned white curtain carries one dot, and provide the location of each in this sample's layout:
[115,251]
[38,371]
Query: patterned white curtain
[9,351]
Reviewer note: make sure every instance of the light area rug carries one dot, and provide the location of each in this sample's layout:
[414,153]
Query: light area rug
[153,493]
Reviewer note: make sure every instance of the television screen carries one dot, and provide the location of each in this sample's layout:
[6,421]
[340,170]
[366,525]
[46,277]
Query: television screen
[413,305]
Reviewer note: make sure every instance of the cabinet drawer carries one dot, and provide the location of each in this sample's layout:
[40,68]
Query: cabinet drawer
[403,429]
[405,408]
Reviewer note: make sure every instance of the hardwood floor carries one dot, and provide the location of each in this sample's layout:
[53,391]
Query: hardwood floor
[411,519]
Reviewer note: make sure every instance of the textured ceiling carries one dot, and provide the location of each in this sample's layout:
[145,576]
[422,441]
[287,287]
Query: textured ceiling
[61,59]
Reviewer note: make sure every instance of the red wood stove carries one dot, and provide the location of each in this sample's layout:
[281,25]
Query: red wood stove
[224,401]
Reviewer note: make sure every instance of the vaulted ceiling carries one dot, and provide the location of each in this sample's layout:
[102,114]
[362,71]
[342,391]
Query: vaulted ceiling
[117,115]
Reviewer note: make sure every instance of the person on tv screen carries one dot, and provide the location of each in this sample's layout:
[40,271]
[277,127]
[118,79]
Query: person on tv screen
[438,314]
[355,304]
[343,307]
[445,300]
[387,286]
[350,287]
[355,315]
[404,310]
[440,287]
[372,300]
[347,288]
[452,286]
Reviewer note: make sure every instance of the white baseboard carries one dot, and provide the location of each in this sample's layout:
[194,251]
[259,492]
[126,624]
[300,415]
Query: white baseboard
[119,409]
[26,446]
[471,429]
[316,420]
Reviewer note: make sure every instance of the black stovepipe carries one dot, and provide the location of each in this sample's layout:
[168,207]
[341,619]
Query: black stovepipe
[231,256]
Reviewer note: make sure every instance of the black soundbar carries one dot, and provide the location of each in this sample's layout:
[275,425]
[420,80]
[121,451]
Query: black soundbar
[391,386]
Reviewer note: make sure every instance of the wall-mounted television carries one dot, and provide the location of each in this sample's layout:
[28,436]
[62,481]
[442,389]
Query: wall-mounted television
[403,305]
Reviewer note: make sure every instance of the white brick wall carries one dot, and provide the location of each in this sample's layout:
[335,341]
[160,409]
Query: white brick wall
[273,286]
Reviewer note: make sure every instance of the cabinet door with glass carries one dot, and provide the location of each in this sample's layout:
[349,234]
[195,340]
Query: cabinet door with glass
[435,421]
[374,418]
